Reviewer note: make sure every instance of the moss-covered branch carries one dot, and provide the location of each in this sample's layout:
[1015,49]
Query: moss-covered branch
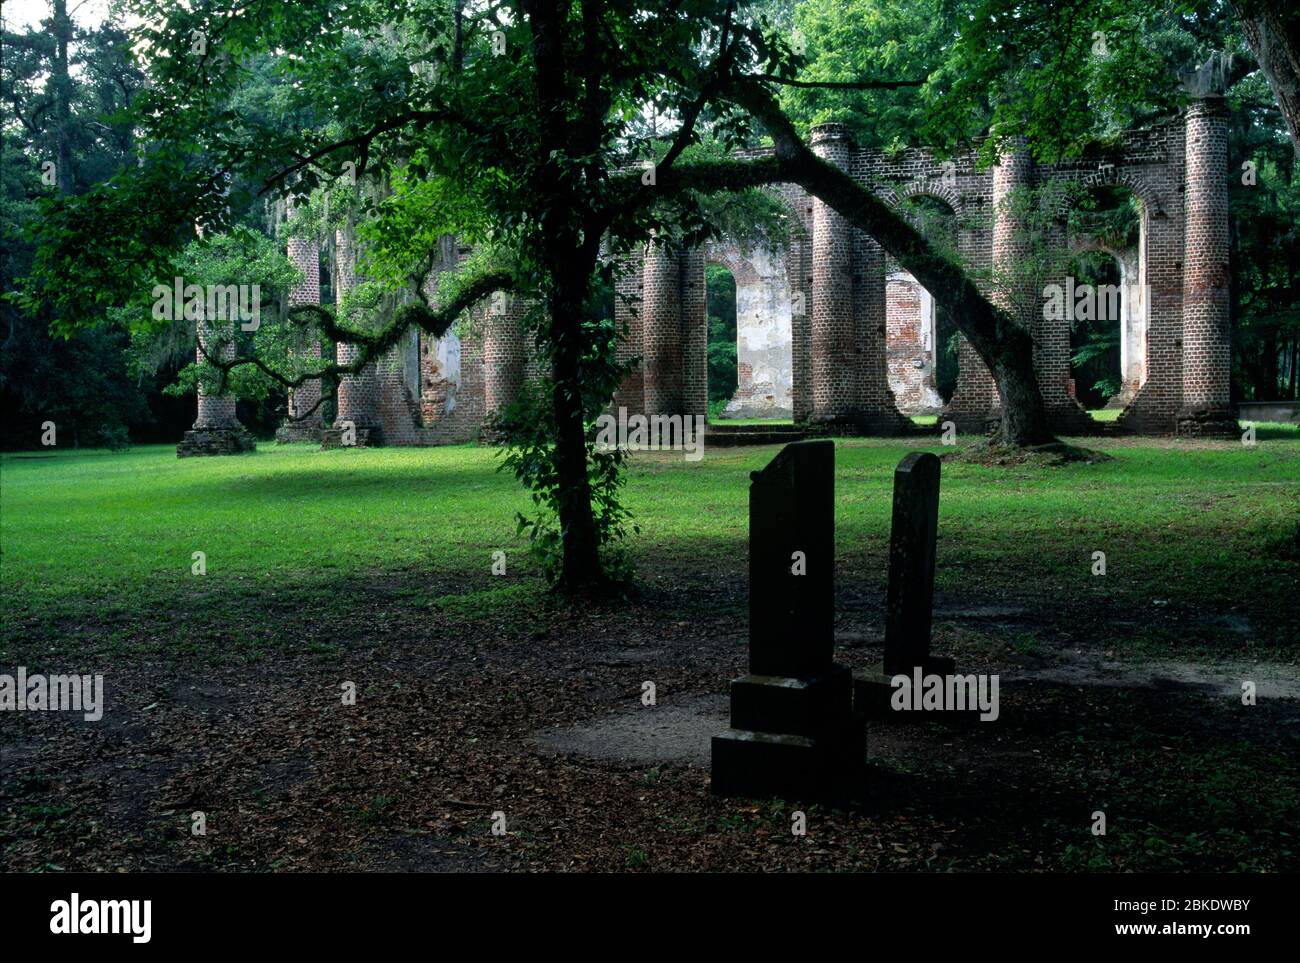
[434,320]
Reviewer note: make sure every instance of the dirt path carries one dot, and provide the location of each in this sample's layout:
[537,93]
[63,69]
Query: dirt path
[458,719]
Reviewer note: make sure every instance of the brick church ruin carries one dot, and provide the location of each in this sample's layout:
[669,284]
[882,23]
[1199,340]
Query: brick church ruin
[829,330]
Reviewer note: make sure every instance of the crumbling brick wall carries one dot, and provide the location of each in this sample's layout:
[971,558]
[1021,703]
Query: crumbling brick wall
[855,331]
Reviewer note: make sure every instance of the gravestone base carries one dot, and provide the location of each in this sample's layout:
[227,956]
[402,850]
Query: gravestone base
[366,438]
[215,441]
[769,764]
[796,738]
[873,691]
[800,707]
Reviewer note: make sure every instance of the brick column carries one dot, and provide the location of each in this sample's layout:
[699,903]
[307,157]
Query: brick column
[503,353]
[628,316]
[216,430]
[877,412]
[661,328]
[1207,353]
[215,411]
[975,405]
[356,392]
[1013,172]
[304,254]
[1013,289]
[695,333]
[833,332]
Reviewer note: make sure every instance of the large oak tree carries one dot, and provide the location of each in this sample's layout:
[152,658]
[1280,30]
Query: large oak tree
[519,126]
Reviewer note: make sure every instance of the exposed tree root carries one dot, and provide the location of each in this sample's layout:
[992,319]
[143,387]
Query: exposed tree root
[995,452]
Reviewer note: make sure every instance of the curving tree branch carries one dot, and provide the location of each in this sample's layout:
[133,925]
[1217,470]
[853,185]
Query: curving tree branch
[437,321]
[843,84]
[1005,346]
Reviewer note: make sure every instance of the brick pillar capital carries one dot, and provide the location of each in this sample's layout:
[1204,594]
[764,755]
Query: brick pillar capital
[1214,105]
[824,134]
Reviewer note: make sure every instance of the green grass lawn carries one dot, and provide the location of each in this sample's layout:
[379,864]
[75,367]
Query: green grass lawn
[751,421]
[375,566]
[1105,414]
[1098,414]
[1205,528]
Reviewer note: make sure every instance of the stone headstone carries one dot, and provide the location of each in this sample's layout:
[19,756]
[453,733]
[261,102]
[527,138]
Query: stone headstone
[793,731]
[911,562]
[791,562]
[909,603]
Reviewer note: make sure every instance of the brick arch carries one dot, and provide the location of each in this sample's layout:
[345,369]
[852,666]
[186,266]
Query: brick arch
[765,322]
[1108,175]
[1089,245]
[727,254]
[1177,170]
[726,251]
[929,187]
[1139,354]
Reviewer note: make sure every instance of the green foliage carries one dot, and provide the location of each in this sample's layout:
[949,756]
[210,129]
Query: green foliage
[720,287]
[240,258]
[855,40]
[64,132]
[1096,341]
[1099,346]
[722,361]
[1063,75]
[1108,216]
[1265,248]
[532,456]
[81,384]
[948,359]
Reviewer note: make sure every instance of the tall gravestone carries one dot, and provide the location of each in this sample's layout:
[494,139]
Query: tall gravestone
[793,730]
[911,588]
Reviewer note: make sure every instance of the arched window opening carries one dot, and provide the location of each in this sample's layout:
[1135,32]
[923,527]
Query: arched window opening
[1096,325]
[1105,296]
[921,341]
[720,292]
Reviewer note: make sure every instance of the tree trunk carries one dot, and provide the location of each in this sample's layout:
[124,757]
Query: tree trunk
[1274,42]
[569,262]
[61,85]
[581,568]
[1004,346]
[1024,417]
